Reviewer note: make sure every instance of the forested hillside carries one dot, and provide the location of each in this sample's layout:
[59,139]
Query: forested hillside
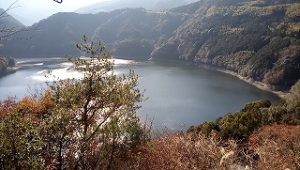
[130,33]
[258,40]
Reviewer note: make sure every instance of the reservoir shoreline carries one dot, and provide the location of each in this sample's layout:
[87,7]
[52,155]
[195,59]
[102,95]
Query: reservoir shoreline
[258,84]
[179,94]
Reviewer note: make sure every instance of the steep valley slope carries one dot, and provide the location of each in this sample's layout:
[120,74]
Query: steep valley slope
[259,40]
[128,32]
[256,39]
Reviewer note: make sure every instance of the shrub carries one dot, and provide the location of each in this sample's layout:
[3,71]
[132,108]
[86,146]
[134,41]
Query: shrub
[238,125]
[21,145]
[293,99]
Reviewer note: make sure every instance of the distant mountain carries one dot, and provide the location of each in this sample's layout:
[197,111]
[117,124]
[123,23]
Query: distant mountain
[7,20]
[24,20]
[130,33]
[156,5]
[54,36]
[258,40]
[8,27]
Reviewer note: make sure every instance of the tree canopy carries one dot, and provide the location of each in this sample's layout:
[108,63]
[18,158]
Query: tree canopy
[74,124]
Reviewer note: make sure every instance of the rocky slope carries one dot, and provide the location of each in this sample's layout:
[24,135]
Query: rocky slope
[256,39]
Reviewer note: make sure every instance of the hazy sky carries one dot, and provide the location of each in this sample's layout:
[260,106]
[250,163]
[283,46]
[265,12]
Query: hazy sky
[30,11]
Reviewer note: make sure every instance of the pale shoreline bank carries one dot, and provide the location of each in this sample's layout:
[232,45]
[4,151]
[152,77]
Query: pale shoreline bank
[257,84]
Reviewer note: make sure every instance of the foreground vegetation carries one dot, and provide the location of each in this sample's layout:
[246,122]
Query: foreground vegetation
[260,136]
[91,123]
[74,124]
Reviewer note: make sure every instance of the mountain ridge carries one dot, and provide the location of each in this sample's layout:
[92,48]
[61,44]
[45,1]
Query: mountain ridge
[9,20]
[111,5]
[120,30]
[257,40]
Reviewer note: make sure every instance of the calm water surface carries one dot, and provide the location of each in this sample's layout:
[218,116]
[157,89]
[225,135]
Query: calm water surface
[178,96]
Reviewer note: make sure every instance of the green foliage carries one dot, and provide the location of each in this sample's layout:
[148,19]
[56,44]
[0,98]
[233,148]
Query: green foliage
[293,99]
[75,124]
[100,109]
[254,106]
[21,145]
[274,114]
[238,125]
[241,124]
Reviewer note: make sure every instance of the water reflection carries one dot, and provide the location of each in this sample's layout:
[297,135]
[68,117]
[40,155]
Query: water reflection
[178,96]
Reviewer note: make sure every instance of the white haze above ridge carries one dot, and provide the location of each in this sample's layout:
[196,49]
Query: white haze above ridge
[156,5]
[31,11]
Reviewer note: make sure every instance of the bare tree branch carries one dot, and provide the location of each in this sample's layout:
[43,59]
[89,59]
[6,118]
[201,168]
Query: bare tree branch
[11,6]
[7,31]
[4,30]
[58,1]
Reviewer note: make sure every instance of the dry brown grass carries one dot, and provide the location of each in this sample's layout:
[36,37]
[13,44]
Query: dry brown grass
[278,147]
[269,148]
[185,152]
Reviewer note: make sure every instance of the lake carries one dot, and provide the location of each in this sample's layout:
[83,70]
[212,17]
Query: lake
[176,95]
